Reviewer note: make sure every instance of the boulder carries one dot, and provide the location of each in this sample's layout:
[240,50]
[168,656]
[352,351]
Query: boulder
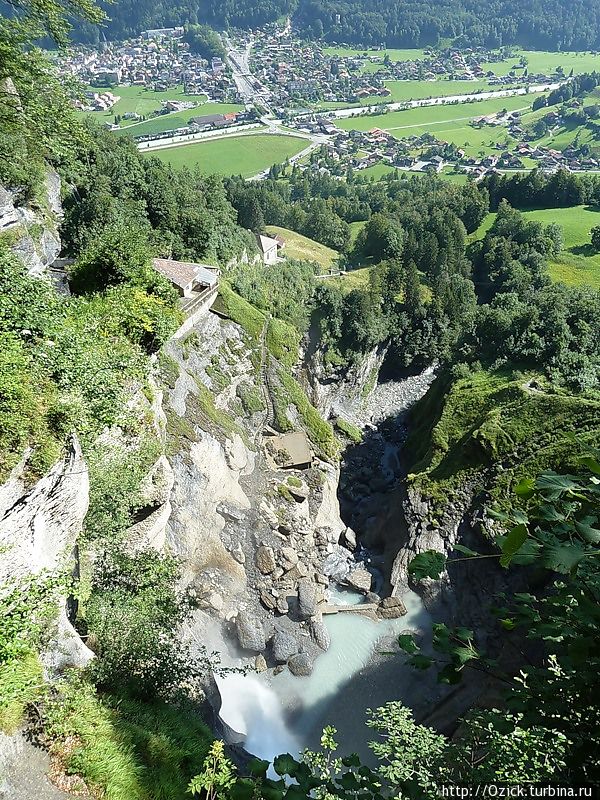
[337,565]
[265,559]
[301,664]
[319,633]
[307,599]
[268,601]
[260,665]
[298,571]
[283,645]
[349,539]
[287,557]
[250,633]
[372,597]
[359,579]
[391,608]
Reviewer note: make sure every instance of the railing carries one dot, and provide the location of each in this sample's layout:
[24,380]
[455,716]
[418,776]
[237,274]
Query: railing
[191,304]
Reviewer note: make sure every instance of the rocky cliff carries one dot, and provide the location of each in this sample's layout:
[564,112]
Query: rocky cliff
[31,230]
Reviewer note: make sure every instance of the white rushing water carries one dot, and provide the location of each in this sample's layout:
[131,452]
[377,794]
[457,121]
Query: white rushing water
[284,713]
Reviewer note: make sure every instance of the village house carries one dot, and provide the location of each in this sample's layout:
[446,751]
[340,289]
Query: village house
[189,279]
[268,248]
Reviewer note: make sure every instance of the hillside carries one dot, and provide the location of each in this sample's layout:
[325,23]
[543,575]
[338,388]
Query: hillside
[304,249]
[554,25]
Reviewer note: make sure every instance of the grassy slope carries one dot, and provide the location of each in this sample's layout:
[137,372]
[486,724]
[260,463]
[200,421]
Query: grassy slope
[282,342]
[302,248]
[493,418]
[235,155]
[578,264]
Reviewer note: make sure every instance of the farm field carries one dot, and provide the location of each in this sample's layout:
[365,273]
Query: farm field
[578,264]
[420,90]
[178,119]
[543,61]
[302,248]
[449,122]
[395,55]
[538,60]
[138,100]
[235,155]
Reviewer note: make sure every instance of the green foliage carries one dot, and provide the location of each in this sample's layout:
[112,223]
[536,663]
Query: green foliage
[283,342]
[21,683]
[124,748]
[134,615]
[409,753]
[241,311]
[116,487]
[217,776]
[28,610]
[252,401]
[319,431]
[204,41]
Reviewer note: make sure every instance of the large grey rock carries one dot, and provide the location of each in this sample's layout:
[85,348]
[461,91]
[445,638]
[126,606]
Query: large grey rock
[307,599]
[265,559]
[250,633]
[319,633]
[359,579]
[287,557]
[338,564]
[301,665]
[284,646]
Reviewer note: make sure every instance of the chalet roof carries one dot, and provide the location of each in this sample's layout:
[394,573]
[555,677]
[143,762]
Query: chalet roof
[182,273]
[265,243]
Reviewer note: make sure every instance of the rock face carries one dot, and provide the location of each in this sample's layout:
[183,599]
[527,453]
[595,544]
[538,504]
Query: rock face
[301,665]
[34,235]
[250,633]
[39,526]
[38,532]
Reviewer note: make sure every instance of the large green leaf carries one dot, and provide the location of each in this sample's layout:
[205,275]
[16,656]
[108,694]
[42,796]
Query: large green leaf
[407,643]
[589,532]
[429,564]
[562,557]
[512,543]
[554,485]
[460,548]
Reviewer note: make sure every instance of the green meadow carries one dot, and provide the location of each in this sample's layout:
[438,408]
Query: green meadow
[577,264]
[301,248]
[234,155]
[543,61]
[139,100]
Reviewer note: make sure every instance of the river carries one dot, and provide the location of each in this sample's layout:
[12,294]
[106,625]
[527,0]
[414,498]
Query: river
[363,667]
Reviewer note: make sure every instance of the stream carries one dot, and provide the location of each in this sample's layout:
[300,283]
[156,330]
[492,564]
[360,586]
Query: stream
[363,667]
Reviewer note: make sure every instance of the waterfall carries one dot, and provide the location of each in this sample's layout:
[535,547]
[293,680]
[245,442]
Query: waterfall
[253,709]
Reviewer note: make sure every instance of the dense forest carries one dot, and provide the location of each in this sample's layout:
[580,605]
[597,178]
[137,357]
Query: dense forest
[552,25]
